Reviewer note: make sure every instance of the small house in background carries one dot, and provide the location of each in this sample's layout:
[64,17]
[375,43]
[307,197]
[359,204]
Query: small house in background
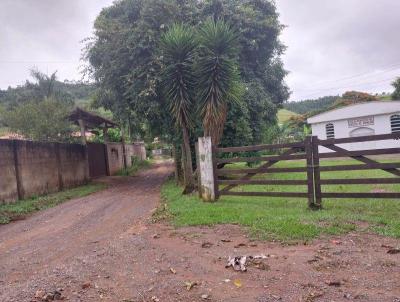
[372,118]
[108,158]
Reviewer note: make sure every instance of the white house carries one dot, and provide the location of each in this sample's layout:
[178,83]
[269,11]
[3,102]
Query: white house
[370,118]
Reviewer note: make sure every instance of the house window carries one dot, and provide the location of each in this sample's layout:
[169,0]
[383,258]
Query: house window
[330,130]
[395,123]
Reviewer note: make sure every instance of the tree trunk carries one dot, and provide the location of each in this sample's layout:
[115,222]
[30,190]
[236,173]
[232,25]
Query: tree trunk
[214,126]
[177,155]
[187,163]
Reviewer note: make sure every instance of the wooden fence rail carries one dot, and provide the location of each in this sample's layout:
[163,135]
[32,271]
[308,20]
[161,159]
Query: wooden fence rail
[226,179]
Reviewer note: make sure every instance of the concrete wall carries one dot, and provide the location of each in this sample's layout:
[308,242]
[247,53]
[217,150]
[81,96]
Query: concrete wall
[36,168]
[381,125]
[115,157]
[74,168]
[161,152]
[8,183]
[49,167]
[137,150]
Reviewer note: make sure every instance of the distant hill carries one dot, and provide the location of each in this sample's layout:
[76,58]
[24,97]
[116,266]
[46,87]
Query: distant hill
[284,115]
[75,92]
[308,106]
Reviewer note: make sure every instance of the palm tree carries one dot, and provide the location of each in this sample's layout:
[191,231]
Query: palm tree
[217,75]
[178,46]
[45,84]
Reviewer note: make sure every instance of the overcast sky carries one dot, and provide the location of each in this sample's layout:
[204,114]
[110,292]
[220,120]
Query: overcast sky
[333,46]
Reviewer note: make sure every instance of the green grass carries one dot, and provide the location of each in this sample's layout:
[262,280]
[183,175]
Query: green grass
[284,115]
[289,219]
[4,131]
[386,97]
[137,166]
[22,208]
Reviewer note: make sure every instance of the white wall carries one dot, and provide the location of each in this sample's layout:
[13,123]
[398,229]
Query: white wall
[342,130]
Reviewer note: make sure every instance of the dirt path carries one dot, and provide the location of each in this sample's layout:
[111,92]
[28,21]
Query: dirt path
[103,248]
[78,241]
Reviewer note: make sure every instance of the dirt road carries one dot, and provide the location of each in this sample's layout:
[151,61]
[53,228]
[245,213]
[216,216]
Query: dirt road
[79,241]
[103,248]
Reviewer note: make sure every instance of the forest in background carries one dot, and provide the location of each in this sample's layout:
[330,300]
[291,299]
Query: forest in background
[69,91]
[306,106]
[39,109]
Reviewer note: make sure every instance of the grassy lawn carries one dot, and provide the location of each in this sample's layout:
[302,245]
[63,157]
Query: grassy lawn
[284,115]
[22,208]
[289,219]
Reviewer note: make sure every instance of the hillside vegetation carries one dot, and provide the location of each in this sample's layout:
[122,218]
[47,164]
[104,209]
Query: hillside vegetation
[284,115]
[38,109]
[307,106]
[46,86]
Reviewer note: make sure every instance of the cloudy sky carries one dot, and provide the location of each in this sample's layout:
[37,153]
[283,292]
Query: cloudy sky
[46,34]
[333,46]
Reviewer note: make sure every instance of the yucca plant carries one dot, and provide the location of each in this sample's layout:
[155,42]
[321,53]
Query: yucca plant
[178,46]
[217,75]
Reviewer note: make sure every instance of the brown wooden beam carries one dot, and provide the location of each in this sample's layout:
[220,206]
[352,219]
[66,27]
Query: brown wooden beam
[262,167]
[270,194]
[361,158]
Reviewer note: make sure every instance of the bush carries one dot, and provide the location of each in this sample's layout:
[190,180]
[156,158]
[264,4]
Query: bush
[136,166]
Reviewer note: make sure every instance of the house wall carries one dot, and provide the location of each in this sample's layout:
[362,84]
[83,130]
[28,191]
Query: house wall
[342,130]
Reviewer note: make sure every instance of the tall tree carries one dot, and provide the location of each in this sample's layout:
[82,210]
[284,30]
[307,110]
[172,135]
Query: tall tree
[178,47]
[260,65]
[396,92]
[125,63]
[217,75]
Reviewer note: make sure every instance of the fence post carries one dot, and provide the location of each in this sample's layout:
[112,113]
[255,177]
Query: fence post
[198,175]
[105,148]
[206,168]
[215,176]
[20,189]
[310,173]
[317,174]
[59,166]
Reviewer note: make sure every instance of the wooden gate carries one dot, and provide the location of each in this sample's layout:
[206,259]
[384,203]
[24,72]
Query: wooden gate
[97,156]
[308,150]
[367,164]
